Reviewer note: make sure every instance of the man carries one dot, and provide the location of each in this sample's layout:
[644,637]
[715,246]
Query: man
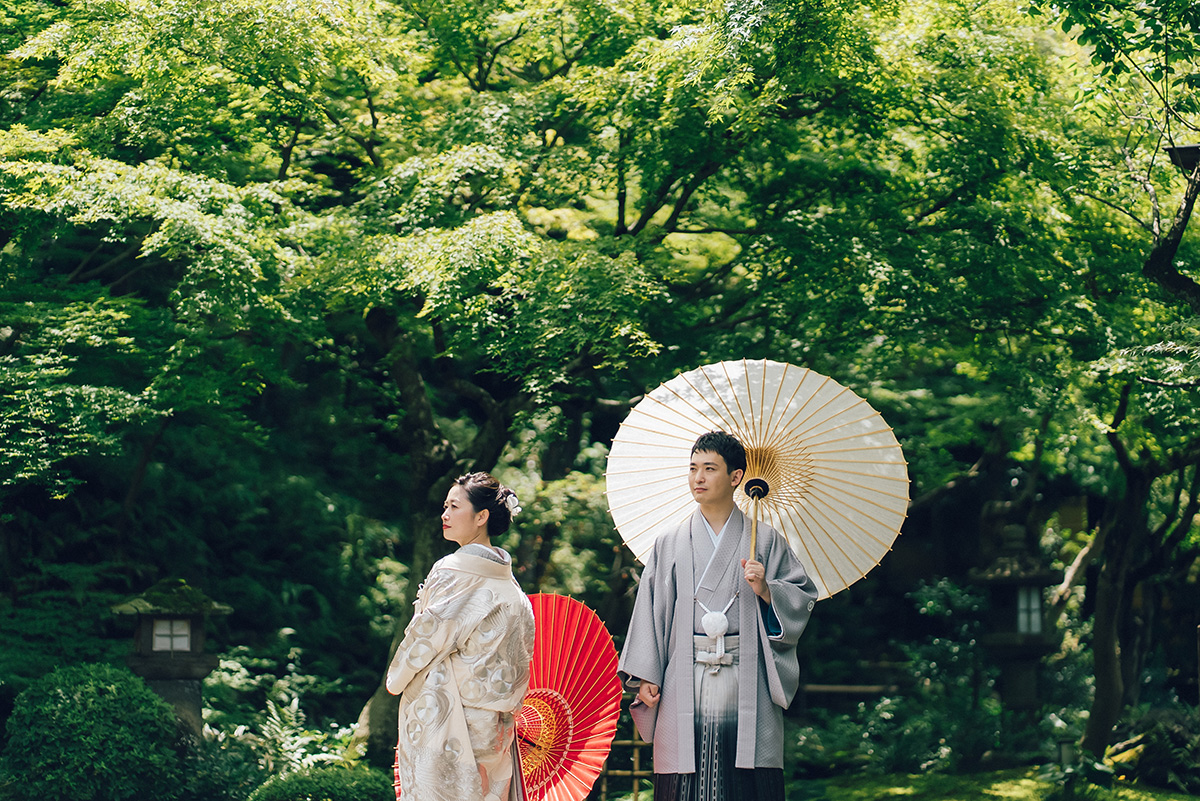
[711,647]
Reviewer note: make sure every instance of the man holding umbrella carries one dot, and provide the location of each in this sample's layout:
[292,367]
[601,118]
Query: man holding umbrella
[711,648]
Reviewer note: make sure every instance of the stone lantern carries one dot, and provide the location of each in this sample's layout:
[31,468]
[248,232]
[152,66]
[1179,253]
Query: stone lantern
[168,644]
[1017,633]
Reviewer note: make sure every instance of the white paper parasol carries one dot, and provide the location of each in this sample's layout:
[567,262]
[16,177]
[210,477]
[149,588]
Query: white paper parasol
[838,480]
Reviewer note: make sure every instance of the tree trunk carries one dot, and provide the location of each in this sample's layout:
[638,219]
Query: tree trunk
[1160,263]
[1110,688]
[431,457]
[376,727]
[433,465]
[1137,622]
[1126,536]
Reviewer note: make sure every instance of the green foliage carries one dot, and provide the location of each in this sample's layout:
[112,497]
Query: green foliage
[60,616]
[215,86]
[950,719]
[272,273]
[830,746]
[289,746]
[1066,686]
[1019,784]
[1086,781]
[568,519]
[57,348]
[328,784]
[1157,40]
[87,365]
[944,721]
[1160,748]
[221,768]
[92,732]
[254,703]
[245,680]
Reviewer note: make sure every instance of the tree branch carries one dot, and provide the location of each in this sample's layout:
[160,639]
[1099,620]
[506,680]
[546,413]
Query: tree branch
[1120,209]
[106,266]
[653,204]
[1123,457]
[620,229]
[1073,576]
[285,154]
[707,170]
[1154,382]
[1160,264]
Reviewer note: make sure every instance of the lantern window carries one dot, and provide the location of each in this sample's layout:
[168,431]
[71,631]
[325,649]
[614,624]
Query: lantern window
[173,635]
[1029,610]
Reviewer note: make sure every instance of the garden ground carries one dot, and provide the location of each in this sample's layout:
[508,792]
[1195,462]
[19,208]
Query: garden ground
[1020,784]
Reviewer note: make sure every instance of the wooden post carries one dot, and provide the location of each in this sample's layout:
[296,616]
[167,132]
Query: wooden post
[637,765]
[635,743]
[636,774]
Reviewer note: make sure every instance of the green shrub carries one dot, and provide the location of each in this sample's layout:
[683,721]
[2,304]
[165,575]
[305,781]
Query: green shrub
[947,718]
[91,733]
[832,745]
[1160,748]
[221,769]
[1087,780]
[328,784]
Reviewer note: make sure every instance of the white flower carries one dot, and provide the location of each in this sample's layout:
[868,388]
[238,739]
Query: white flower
[514,506]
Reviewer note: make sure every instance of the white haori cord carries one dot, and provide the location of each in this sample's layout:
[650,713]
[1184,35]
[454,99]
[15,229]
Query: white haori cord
[715,624]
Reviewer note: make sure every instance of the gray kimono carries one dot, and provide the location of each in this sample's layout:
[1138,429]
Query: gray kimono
[666,616]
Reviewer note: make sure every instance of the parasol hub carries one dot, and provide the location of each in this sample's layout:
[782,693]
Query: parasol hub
[756,488]
[546,725]
[785,471]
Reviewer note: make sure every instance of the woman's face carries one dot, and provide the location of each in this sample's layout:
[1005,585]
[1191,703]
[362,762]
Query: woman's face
[460,522]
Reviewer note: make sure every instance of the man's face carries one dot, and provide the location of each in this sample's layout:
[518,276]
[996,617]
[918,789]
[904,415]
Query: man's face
[710,480]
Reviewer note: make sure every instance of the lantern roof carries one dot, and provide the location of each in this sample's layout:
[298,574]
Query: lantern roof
[1017,569]
[171,597]
[1016,564]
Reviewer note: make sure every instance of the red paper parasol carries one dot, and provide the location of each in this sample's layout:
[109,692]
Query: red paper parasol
[566,726]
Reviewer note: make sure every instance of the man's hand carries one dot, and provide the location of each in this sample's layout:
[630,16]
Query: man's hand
[648,694]
[756,577]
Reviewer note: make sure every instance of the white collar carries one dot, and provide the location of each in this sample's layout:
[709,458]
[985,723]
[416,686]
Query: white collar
[715,535]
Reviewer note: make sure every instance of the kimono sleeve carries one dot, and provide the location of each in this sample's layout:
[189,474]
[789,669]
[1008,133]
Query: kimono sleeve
[434,631]
[647,643]
[793,595]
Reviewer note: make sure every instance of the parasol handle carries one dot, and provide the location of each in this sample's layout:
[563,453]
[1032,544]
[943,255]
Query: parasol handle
[757,489]
[754,530]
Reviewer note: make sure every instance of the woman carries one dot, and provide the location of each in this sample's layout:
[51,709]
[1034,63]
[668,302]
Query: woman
[463,667]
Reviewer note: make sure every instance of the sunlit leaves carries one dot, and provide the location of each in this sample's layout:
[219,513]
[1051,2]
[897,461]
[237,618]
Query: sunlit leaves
[442,190]
[84,366]
[61,388]
[248,79]
[215,229]
[499,44]
[533,310]
[285,43]
[1157,42]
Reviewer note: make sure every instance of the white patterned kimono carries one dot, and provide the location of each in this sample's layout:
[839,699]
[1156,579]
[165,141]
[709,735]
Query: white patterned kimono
[461,671]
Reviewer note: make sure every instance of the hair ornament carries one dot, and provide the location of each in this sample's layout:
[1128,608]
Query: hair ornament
[514,506]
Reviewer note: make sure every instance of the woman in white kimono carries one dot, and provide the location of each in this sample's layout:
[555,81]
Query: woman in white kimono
[462,669]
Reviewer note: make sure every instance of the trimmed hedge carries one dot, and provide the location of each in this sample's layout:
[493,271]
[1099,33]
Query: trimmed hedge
[91,733]
[328,784]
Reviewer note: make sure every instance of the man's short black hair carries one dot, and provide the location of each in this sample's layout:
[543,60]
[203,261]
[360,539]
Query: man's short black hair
[727,445]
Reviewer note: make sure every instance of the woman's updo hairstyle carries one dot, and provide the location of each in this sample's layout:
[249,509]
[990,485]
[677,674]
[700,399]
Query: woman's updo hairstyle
[485,492]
